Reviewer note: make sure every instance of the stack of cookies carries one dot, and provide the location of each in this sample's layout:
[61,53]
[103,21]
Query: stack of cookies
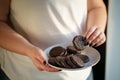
[69,57]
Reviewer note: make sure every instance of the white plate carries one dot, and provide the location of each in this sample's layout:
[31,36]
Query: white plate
[93,54]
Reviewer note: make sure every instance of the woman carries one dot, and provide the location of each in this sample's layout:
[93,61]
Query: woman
[38,24]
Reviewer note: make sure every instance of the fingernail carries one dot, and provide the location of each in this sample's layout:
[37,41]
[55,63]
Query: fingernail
[59,70]
[95,45]
[86,43]
[44,62]
[90,45]
[84,38]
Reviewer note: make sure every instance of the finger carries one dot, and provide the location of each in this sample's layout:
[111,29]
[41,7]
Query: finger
[41,57]
[39,60]
[50,69]
[94,35]
[90,31]
[101,42]
[43,67]
[98,38]
[42,61]
[39,64]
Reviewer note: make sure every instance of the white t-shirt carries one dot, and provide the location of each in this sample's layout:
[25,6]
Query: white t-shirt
[44,23]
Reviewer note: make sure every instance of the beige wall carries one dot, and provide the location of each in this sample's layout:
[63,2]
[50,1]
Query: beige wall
[113,41]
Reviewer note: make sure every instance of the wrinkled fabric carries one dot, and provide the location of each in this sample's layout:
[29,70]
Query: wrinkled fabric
[44,23]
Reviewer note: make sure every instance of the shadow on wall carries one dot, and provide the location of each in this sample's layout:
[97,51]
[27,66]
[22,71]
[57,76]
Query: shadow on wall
[99,69]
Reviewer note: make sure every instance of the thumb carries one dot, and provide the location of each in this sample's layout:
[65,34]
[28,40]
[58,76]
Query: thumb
[41,56]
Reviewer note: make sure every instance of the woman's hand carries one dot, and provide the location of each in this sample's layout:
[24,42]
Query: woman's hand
[95,36]
[38,59]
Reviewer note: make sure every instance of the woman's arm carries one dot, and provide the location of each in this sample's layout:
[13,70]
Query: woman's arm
[96,22]
[11,40]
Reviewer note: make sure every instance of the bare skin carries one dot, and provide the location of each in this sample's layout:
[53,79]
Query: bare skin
[8,37]
[96,22]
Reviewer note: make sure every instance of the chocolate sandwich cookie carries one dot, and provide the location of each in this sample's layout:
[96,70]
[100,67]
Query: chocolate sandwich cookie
[62,62]
[57,51]
[66,53]
[52,61]
[70,62]
[85,58]
[79,42]
[57,61]
[71,50]
[77,61]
